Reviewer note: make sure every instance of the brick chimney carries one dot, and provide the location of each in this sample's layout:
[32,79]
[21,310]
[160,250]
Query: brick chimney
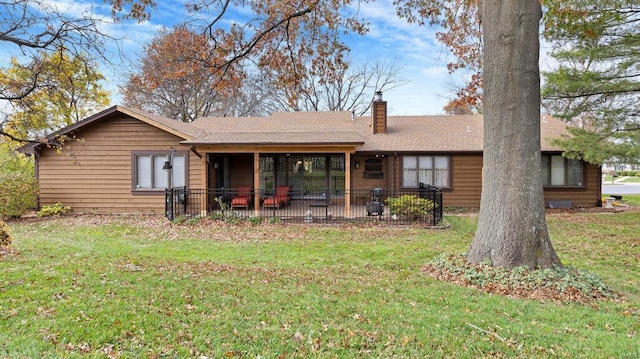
[379,113]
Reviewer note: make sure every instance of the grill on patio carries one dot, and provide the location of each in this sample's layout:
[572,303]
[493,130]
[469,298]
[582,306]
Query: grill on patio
[421,206]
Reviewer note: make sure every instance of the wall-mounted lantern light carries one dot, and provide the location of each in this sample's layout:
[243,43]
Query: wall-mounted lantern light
[356,164]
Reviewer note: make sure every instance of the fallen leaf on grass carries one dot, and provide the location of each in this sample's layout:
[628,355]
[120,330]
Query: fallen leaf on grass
[298,337]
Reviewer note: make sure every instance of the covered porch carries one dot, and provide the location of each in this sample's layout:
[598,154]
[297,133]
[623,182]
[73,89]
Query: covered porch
[275,173]
[298,176]
[305,176]
[418,206]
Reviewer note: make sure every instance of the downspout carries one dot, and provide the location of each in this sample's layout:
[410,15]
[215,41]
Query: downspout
[347,184]
[395,171]
[584,178]
[256,183]
[173,150]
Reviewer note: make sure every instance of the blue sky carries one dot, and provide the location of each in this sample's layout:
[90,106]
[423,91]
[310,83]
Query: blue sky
[429,84]
[426,91]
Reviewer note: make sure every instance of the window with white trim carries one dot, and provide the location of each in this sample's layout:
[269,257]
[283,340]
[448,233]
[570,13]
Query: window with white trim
[149,175]
[558,171]
[430,170]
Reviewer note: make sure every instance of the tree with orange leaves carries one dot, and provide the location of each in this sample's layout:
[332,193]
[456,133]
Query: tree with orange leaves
[461,33]
[294,46]
[179,78]
[498,42]
[594,86]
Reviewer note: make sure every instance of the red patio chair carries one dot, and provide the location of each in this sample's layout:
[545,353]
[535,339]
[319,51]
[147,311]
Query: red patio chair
[280,198]
[242,198]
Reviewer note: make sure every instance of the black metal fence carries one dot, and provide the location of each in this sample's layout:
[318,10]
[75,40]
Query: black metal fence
[421,206]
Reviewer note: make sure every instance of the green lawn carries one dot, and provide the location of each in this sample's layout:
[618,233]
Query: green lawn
[608,179]
[631,179]
[121,287]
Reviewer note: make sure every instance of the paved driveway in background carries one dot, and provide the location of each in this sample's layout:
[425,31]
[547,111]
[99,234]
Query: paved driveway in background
[622,188]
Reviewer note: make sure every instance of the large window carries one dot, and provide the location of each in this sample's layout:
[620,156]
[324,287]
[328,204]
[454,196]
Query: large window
[558,171]
[307,174]
[149,173]
[430,170]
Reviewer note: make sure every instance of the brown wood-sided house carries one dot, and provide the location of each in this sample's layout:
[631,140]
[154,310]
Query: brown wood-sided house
[112,162]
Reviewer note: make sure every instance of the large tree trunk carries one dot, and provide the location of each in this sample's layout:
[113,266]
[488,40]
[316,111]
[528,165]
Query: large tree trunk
[512,229]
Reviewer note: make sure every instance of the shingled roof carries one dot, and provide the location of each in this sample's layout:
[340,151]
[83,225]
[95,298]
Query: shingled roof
[441,133]
[404,133]
[309,128]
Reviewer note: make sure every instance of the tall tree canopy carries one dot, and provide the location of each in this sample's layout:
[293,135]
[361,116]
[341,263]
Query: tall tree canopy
[288,52]
[502,56]
[290,41]
[596,85]
[512,229]
[31,30]
[68,89]
[179,77]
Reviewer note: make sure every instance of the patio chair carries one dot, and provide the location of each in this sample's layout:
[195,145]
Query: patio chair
[280,198]
[242,198]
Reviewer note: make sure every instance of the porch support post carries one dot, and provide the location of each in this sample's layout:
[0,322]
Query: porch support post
[347,184]
[204,184]
[256,182]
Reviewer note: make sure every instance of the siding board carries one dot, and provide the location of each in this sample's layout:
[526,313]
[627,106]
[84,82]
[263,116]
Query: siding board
[466,182]
[94,174]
